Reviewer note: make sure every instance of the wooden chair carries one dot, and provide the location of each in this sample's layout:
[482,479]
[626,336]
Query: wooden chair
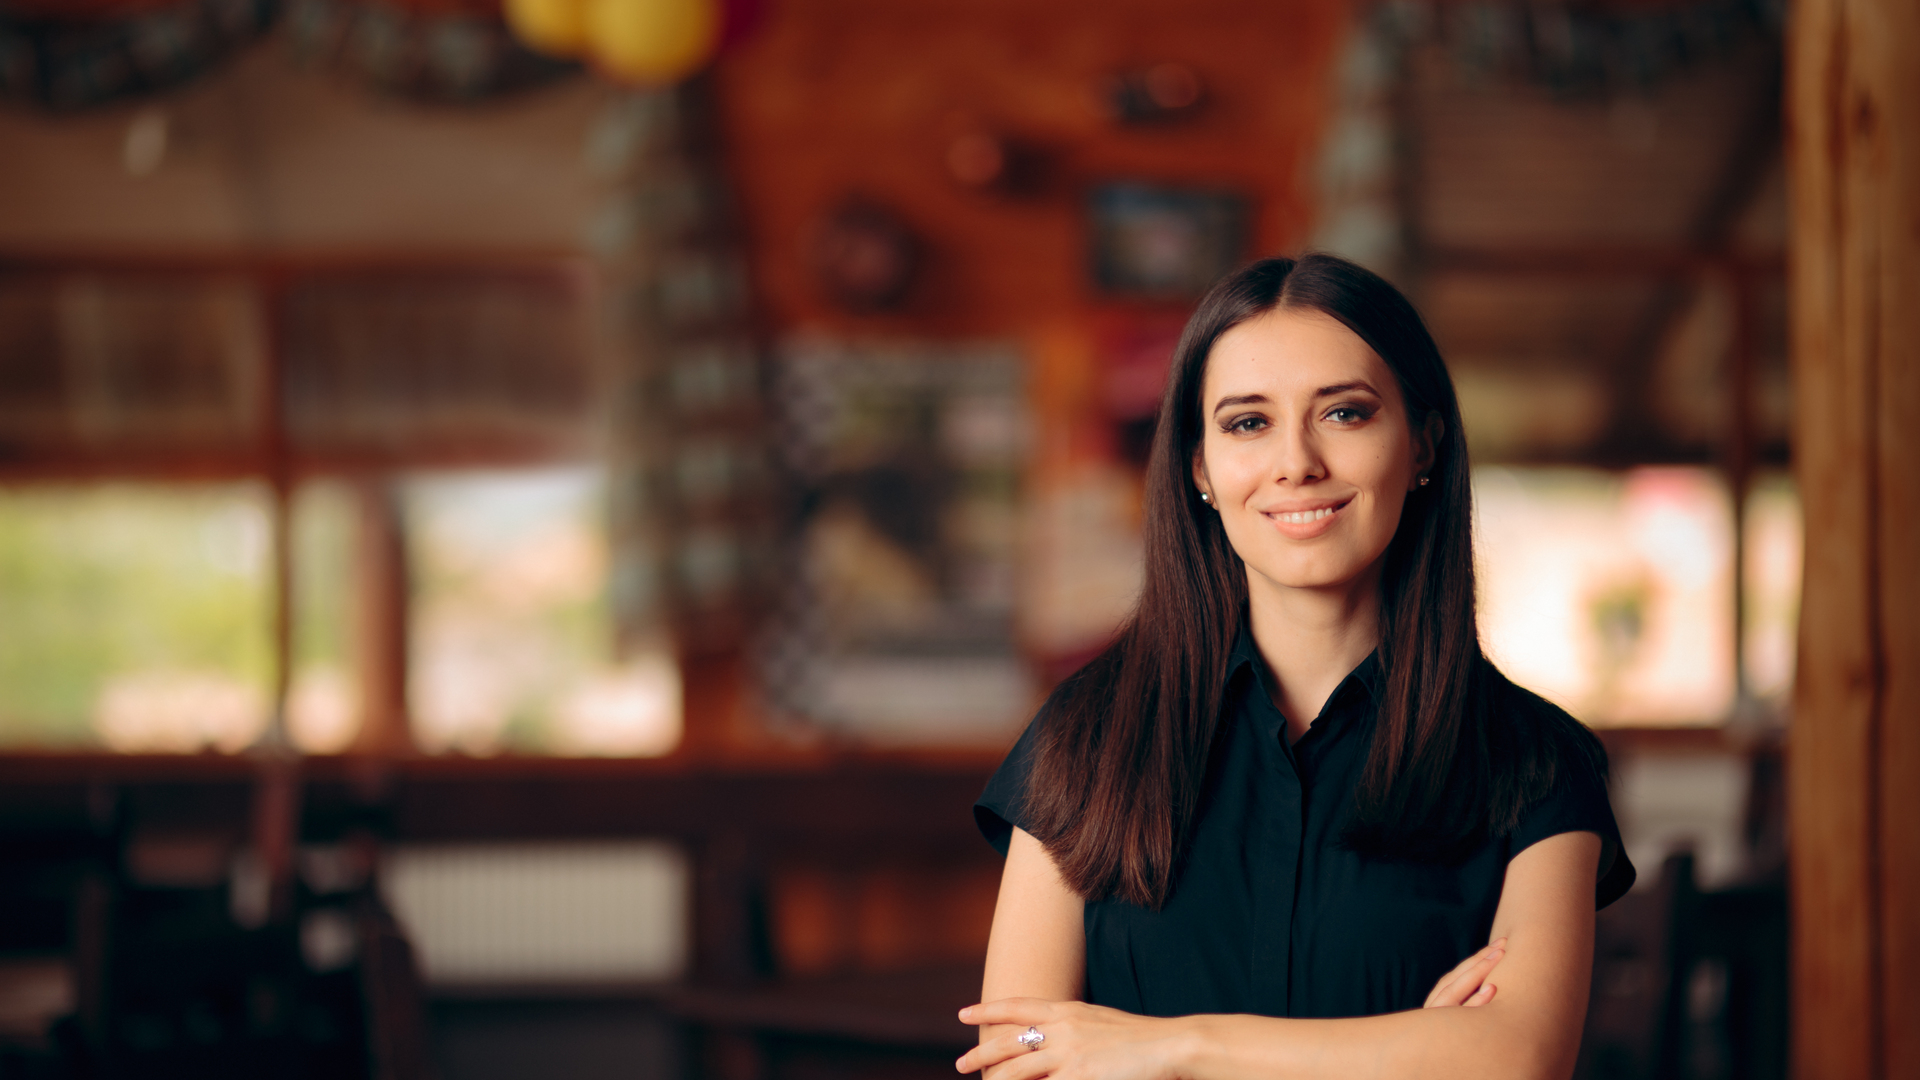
[1640,964]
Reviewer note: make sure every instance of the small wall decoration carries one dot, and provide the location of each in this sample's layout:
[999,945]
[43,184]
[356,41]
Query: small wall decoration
[865,258]
[1162,242]
[1155,95]
[987,161]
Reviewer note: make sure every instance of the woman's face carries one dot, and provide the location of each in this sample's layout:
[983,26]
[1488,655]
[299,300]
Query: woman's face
[1307,452]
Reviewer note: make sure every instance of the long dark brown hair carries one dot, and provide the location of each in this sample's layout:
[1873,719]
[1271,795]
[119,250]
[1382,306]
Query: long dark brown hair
[1123,744]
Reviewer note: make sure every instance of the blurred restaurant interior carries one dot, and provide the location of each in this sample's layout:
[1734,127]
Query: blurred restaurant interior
[521,539]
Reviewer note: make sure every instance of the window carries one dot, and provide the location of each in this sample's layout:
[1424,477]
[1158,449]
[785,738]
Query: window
[443,576]
[137,616]
[512,641]
[1612,593]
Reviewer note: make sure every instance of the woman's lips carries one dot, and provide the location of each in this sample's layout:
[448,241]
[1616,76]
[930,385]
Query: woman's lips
[1305,524]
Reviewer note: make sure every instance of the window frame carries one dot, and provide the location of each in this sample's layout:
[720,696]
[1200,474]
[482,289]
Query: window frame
[271,457]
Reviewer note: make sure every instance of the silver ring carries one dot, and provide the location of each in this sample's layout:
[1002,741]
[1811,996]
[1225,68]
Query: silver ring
[1031,1038]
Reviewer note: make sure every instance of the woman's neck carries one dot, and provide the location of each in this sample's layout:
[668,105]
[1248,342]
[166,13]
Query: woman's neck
[1311,639]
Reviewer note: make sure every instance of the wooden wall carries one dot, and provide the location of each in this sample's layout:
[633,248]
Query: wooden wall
[1853,115]
[839,98]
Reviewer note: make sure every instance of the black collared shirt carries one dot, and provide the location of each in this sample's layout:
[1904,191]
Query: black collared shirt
[1272,913]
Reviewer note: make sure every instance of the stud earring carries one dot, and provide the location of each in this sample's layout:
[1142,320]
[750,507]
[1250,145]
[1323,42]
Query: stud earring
[1425,480]
[1206,498]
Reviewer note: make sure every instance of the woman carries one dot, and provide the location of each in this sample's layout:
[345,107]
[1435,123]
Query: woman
[1255,835]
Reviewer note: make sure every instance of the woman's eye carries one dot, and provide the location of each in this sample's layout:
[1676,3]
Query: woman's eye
[1346,414]
[1247,423]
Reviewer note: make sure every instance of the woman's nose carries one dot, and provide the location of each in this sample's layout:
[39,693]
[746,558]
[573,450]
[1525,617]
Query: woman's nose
[1297,457]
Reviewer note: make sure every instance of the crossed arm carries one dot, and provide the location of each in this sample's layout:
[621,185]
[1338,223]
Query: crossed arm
[1526,1029]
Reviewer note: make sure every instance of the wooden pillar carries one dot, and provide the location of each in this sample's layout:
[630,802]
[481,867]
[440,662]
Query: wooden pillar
[381,567]
[1853,118]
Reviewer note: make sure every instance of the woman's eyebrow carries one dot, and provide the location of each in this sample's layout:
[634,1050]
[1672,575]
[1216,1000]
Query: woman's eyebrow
[1347,387]
[1240,399]
[1325,391]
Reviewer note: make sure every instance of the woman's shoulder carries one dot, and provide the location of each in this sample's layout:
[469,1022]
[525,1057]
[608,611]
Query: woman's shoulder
[1002,806]
[1564,772]
[1552,737]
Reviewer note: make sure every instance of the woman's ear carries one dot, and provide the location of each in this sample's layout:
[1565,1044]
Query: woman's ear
[1426,444]
[1200,480]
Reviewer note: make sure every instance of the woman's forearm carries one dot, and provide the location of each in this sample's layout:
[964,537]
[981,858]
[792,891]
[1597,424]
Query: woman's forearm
[1485,1043]
[1529,1031]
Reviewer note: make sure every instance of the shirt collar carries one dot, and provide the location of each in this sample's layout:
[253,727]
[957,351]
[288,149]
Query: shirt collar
[1367,677]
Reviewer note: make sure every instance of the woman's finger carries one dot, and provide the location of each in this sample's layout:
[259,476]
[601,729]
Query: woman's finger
[1481,996]
[1024,1011]
[992,1052]
[1474,977]
[1027,1065]
[1465,981]
[1494,946]
[1462,966]
[1459,985]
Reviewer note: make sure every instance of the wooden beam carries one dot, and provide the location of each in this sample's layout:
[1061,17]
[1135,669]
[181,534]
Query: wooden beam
[1587,261]
[1853,118]
[846,811]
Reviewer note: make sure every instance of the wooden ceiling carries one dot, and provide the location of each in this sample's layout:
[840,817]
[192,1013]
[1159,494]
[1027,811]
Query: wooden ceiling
[1501,163]
[1594,251]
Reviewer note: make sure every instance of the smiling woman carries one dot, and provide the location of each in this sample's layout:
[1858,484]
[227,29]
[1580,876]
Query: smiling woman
[1309,438]
[1293,803]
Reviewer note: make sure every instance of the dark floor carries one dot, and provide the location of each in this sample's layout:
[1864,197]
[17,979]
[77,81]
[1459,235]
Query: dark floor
[577,1040]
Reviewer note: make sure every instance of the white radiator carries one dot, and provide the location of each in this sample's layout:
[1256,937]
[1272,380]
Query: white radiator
[542,913]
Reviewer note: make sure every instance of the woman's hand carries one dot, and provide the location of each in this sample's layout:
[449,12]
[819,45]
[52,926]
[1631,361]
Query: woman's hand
[1467,984]
[1082,1041]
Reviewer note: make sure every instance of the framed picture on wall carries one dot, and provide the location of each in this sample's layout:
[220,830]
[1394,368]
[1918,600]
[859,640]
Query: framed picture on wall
[1155,242]
[897,623]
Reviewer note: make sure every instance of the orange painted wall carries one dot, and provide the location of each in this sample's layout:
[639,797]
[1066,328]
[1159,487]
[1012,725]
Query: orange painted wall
[832,98]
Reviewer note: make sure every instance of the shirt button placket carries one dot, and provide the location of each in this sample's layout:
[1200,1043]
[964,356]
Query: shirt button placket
[1273,929]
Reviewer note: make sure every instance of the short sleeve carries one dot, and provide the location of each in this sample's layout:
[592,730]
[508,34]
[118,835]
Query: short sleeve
[1578,803]
[1001,806]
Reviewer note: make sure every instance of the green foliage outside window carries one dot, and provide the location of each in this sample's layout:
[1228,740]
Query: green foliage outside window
[157,592]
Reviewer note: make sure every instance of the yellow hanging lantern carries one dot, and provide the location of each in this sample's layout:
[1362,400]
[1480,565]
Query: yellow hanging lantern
[554,27]
[652,41]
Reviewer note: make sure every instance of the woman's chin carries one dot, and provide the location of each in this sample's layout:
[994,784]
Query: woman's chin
[1313,577]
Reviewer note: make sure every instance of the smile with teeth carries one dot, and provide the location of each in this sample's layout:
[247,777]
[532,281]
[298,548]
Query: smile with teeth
[1302,517]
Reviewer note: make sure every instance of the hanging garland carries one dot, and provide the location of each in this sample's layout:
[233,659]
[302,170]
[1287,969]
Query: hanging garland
[443,51]
[70,61]
[1586,50]
[82,53]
